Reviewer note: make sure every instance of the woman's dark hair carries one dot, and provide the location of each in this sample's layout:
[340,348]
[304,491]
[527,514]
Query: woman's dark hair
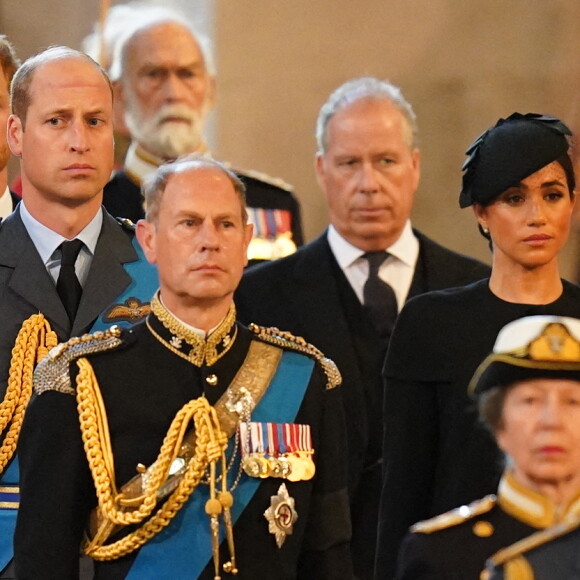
[566,164]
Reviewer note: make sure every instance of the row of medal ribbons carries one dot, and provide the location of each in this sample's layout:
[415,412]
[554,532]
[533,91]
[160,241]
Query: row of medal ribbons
[277,450]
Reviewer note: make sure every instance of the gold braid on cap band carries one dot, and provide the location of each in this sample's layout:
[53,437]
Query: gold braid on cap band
[32,344]
[210,447]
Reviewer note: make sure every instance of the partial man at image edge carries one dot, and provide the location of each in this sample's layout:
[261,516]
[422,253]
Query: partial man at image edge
[66,266]
[9,63]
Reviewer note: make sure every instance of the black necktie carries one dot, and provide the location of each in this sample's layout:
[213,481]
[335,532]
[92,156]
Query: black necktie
[68,286]
[379,298]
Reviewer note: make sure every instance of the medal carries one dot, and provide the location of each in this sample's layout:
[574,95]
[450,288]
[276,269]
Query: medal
[281,450]
[281,515]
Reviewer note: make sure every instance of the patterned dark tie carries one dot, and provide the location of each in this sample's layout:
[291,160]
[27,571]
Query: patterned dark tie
[379,298]
[68,286]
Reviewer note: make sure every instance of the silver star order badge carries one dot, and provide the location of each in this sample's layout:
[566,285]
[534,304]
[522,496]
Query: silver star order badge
[281,515]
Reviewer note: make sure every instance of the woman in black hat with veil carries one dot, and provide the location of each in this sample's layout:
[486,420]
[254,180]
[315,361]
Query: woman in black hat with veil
[519,179]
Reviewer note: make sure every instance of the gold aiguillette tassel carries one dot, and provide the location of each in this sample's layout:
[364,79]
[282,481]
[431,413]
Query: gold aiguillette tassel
[227,500]
[213,508]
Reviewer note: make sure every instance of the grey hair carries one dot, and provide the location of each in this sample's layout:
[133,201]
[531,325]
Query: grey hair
[154,185]
[356,90]
[144,18]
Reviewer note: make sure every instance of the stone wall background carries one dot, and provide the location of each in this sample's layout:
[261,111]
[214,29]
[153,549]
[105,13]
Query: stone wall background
[462,65]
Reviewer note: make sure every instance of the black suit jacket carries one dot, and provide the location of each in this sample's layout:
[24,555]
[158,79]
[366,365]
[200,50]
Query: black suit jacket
[26,287]
[301,294]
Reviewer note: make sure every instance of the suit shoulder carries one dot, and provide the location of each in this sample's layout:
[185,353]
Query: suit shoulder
[52,373]
[288,341]
[456,516]
[453,296]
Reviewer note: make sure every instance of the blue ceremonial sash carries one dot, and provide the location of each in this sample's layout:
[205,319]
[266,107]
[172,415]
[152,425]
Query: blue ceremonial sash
[183,549]
[9,496]
[144,283]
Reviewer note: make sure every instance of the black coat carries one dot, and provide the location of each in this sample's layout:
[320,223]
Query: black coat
[437,455]
[307,294]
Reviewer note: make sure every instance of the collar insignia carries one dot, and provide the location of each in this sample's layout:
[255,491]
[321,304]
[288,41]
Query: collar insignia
[184,342]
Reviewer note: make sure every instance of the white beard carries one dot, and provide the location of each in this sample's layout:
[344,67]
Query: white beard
[167,138]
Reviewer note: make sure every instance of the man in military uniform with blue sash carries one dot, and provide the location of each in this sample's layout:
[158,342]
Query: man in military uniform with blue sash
[164,80]
[61,129]
[206,449]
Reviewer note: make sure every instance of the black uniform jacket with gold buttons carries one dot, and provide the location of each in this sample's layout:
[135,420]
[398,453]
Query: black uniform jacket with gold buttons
[551,554]
[456,545]
[144,382]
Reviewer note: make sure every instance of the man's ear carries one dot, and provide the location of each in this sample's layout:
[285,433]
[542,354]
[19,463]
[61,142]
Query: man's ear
[14,132]
[146,236]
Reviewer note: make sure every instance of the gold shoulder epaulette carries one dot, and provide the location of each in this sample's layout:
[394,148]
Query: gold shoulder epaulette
[456,516]
[52,373]
[289,341]
[258,175]
[533,541]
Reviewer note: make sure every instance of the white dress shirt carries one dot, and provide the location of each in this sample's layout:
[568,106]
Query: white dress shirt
[47,243]
[397,270]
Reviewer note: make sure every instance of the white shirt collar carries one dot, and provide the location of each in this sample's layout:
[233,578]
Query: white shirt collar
[405,249]
[47,241]
[398,270]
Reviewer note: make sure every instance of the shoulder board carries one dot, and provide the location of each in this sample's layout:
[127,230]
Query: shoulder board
[288,341]
[456,516]
[265,178]
[534,541]
[126,224]
[52,373]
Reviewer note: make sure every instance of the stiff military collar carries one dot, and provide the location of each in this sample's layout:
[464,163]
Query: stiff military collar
[183,340]
[140,163]
[530,506]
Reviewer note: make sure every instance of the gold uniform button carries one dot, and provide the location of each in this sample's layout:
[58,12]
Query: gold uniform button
[211,380]
[483,529]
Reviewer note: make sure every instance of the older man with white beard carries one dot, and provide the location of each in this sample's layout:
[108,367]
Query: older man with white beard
[163,80]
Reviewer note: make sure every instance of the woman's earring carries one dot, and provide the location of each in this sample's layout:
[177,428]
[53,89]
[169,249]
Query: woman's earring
[485,230]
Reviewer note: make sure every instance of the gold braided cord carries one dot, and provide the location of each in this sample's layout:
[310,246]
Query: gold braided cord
[32,344]
[210,446]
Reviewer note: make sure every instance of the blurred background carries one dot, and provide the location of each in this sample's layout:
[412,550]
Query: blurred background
[462,64]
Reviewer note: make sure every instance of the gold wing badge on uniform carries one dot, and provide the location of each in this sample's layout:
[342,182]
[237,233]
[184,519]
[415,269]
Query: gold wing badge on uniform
[132,310]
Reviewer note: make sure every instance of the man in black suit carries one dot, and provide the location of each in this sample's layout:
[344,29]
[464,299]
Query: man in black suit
[368,167]
[8,64]
[164,82]
[61,129]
